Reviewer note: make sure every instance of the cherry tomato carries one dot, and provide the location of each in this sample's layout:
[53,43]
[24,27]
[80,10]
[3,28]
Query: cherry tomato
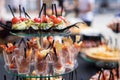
[15,20]
[23,19]
[57,20]
[11,49]
[12,66]
[61,17]
[37,20]
[50,38]
[45,18]
[52,16]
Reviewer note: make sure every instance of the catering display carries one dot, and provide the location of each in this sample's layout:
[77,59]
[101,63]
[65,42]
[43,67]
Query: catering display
[41,25]
[41,55]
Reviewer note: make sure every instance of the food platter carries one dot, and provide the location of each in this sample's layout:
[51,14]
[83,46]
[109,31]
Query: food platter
[102,53]
[42,32]
[103,56]
[42,25]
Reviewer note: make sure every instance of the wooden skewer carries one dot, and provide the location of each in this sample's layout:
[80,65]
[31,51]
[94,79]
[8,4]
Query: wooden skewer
[20,10]
[61,10]
[55,9]
[55,53]
[44,9]
[11,10]
[26,14]
[25,55]
[40,11]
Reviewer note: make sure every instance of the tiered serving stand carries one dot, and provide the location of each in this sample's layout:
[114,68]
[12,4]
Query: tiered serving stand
[41,34]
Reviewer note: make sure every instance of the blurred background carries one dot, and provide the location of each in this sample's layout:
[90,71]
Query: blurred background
[33,6]
[101,9]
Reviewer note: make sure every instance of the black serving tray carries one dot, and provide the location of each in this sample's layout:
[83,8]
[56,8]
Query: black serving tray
[40,32]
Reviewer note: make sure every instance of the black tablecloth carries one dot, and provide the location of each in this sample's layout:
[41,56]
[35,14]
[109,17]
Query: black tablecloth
[84,71]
